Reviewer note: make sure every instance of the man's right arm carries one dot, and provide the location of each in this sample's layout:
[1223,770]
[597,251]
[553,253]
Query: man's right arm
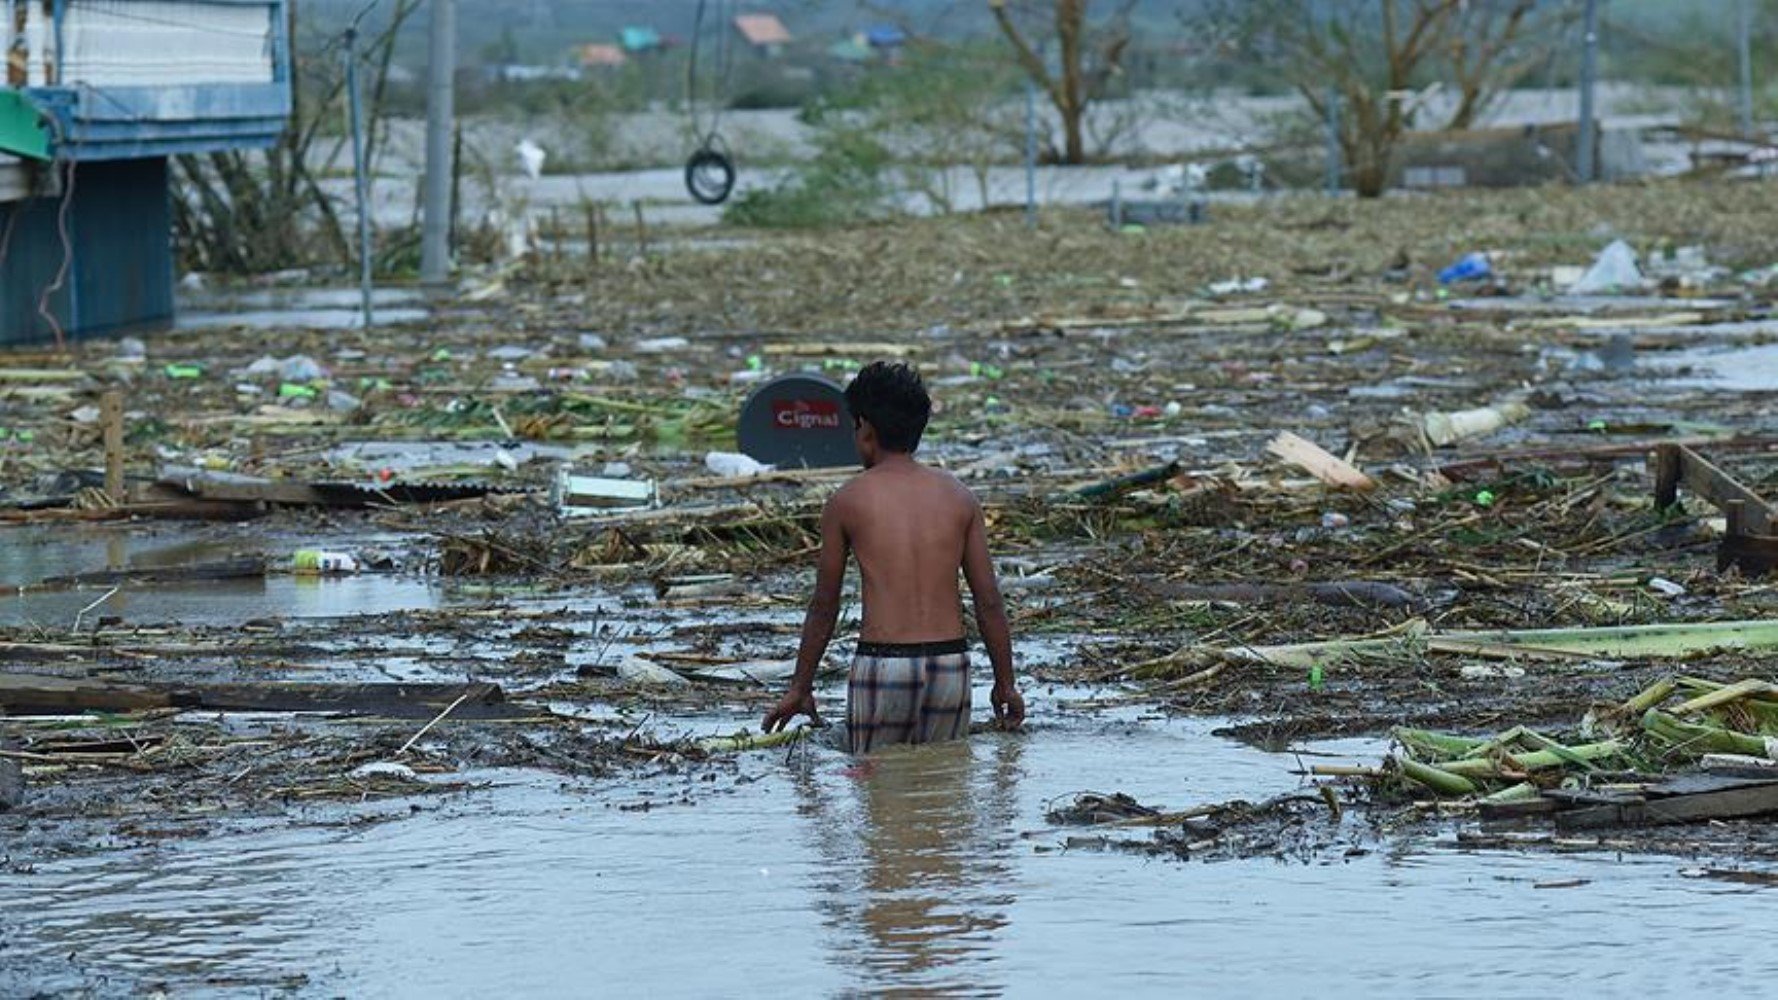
[818,623]
[990,619]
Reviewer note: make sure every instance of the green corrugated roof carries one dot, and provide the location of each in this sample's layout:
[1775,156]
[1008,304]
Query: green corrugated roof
[21,127]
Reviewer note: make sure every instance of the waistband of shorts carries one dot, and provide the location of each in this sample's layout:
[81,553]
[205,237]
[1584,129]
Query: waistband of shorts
[945,647]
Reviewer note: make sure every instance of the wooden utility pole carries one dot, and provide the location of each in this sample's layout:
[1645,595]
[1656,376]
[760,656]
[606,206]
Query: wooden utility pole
[435,224]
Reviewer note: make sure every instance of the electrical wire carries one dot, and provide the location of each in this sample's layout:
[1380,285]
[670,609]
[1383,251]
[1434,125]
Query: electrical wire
[61,278]
[722,46]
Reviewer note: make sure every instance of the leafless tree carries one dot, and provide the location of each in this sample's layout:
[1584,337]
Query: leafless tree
[253,211]
[1087,57]
[1377,55]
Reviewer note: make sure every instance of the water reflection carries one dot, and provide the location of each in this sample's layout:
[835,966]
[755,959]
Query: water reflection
[916,888]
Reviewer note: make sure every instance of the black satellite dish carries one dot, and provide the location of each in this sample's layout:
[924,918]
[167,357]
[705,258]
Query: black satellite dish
[797,421]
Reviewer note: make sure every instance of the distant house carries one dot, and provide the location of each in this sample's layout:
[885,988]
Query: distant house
[524,73]
[763,33]
[637,40]
[98,95]
[849,50]
[885,37]
[601,56]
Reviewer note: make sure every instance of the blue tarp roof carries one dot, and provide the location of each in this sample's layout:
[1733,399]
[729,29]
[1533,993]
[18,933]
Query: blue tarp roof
[885,36]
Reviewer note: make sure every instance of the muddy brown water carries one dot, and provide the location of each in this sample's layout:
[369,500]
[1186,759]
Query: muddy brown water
[802,873]
[799,872]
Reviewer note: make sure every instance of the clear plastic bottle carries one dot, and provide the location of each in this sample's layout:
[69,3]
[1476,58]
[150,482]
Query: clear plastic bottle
[319,561]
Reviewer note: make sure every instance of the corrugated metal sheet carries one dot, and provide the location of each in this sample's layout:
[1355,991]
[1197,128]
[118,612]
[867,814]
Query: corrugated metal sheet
[115,259]
[135,43]
[762,29]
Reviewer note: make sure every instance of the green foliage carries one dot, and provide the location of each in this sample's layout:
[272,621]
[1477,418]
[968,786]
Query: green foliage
[844,182]
[896,129]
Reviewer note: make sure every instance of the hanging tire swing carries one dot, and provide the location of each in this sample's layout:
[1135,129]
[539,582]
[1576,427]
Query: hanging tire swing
[710,173]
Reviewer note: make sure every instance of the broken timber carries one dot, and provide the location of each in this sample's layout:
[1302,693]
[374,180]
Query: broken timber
[1317,462]
[1686,799]
[1748,543]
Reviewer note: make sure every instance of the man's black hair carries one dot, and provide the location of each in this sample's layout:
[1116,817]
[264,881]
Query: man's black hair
[893,398]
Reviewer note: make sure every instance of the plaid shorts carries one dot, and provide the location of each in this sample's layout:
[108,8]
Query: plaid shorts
[907,693]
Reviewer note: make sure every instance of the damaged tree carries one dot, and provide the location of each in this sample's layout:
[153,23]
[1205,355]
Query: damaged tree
[1087,59]
[1382,59]
[256,211]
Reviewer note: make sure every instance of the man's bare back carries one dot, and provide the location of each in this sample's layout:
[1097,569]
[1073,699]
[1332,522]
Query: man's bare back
[913,529]
[908,526]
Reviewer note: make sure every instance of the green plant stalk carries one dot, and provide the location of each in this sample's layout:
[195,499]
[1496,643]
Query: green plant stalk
[1498,744]
[1650,696]
[1426,744]
[752,741]
[1537,760]
[1542,742]
[1697,739]
[1628,642]
[1439,780]
[1524,791]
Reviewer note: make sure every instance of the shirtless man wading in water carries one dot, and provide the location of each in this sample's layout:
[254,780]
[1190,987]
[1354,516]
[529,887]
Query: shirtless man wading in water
[912,529]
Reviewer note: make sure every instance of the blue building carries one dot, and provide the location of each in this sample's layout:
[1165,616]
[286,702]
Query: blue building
[98,94]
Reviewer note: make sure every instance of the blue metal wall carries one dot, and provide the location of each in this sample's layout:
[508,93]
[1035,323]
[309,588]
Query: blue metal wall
[120,274]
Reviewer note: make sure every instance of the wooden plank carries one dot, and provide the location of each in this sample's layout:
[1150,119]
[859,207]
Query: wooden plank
[1630,813]
[1753,555]
[226,569]
[1717,486]
[12,777]
[385,700]
[1666,466]
[1697,783]
[1517,810]
[35,694]
[832,349]
[1754,800]
[40,694]
[211,486]
[1317,462]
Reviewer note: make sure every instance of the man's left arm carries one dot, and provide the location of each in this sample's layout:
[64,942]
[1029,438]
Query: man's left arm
[990,618]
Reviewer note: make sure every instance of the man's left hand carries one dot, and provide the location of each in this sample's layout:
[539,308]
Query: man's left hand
[1009,705]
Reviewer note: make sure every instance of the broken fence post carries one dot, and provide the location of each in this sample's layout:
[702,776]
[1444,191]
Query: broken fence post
[111,417]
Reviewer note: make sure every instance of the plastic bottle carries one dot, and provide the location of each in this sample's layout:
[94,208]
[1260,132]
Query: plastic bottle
[734,465]
[320,561]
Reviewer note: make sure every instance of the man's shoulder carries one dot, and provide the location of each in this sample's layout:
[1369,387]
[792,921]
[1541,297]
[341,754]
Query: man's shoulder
[944,480]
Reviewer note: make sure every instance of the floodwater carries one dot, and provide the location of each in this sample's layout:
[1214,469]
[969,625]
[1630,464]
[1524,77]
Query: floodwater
[30,554]
[298,308]
[803,873]
[1740,369]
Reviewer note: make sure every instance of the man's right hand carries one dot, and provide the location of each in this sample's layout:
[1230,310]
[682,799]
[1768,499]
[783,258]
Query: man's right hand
[796,701]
